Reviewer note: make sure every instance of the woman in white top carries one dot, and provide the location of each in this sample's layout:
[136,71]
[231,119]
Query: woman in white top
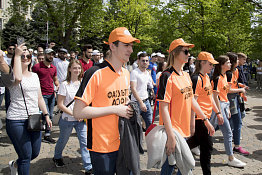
[27,144]
[67,122]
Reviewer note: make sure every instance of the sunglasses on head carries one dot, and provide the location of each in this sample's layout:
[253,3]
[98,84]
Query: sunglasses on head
[27,56]
[186,51]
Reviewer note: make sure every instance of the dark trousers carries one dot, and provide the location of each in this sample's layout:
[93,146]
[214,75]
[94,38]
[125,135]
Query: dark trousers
[202,138]
[7,99]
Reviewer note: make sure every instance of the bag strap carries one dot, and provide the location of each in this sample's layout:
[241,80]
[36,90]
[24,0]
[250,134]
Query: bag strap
[70,103]
[154,113]
[24,99]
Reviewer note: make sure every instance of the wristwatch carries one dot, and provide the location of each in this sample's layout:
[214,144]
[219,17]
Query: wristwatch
[46,115]
[218,113]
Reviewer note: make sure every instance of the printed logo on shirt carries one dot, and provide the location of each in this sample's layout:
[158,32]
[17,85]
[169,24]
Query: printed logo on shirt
[187,91]
[118,96]
[209,90]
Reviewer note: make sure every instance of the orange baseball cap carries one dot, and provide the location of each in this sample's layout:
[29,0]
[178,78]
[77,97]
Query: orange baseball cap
[121,34]
[207,56]
[179,42]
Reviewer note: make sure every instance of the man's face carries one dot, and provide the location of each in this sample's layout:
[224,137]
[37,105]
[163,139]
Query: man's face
[143,62]
[88,53]
[123,51]
[96,57]
[11,50]
[72,55]
[242,60]
[40,50]
[154,59]
[49,57]
[62,55]
[41,58]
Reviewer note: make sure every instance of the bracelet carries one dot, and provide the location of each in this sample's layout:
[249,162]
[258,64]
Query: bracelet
[218,113]
[46,115]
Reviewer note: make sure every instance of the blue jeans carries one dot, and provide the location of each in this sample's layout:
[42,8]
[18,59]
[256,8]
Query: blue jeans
[225,128]
[147,116]
[27,144]
[104,163]
[50,103]
[66,128]
[236,122]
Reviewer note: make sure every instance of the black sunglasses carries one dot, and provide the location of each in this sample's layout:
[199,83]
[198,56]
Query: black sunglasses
[186,51]
[27,56]
[11,48]
[144,61]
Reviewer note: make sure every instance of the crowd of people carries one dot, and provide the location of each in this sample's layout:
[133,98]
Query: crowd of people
[194,97]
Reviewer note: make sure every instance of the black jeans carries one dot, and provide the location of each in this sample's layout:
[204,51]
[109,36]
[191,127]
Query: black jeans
[202,138]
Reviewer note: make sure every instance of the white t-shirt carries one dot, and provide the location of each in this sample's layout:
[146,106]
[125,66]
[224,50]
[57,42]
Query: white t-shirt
[69,91]
[158,75]
[142,81]
[61,67]
[31,87]
[259,68]
[7,60]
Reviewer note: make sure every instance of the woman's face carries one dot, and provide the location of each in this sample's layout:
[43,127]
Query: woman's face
[183,55]
[164,65]
[75,69]
[26,58]
[206,66]
[226,66]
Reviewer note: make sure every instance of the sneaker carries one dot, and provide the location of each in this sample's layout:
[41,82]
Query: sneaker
[12,167]
[241,151]
[248,109]
[236,163]
[260,88]
[48,139]
[89,172]
[58,162]
[256,87]
[196,151]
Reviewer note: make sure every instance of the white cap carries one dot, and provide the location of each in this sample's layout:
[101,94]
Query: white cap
[35,52]
[139,53]
[30,50]
[158,54]
[162,56]
[153,54]
[95,52]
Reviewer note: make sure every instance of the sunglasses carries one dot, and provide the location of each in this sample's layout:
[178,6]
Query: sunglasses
[11,48]
[27,56]
[186,51]
[144,61]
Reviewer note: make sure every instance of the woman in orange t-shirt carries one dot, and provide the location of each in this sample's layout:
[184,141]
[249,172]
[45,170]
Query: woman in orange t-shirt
[220,91]
[233,94]
[175,99]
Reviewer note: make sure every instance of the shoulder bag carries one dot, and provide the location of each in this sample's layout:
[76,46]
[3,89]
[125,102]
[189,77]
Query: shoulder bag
[58,114]
[35,121]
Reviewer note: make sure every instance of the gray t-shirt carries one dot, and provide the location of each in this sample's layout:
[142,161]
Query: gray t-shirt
[7,79]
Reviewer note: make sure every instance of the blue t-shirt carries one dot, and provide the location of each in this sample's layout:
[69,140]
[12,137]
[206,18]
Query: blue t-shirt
[153,68]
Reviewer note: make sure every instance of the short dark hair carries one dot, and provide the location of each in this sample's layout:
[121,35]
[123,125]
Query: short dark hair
[142,55]
[40,54]
[9,44]
[116,43]
[87,46]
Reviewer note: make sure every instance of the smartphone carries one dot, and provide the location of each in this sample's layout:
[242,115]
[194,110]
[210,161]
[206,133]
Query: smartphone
[20,40]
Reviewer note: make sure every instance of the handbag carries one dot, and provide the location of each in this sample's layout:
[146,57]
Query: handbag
[58,114]
[241,103]
[35,121]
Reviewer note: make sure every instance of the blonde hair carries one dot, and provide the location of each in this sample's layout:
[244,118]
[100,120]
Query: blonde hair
[172,55]
[68,76]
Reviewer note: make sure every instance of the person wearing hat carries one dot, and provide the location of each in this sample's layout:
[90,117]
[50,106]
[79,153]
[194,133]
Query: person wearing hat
[96,57]
[101,99]
[61,64]
[47,74]
[153,68]
[175,96]
[202,90]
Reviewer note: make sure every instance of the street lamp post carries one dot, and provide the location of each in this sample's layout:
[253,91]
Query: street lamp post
[47,25]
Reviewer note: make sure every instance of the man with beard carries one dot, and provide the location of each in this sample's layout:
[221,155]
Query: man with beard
[61,64]
[87,56]
[47,74]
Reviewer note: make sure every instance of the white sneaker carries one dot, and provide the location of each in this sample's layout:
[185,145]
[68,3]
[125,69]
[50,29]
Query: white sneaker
[236,163]
[196,151]
[256,87]
[260,87]
[12,167]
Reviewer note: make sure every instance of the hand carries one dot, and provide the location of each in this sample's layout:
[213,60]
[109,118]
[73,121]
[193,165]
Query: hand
[229,114]
[48,123]
[143,107]
[210,128]
[243,90]
[124,111]
[170,144]
[192,130]
[51,45]
[220,119]
[246,87]
[80,120]
[19,50]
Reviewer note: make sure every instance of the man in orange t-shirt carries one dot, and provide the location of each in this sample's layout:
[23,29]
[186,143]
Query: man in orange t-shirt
[101,99]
